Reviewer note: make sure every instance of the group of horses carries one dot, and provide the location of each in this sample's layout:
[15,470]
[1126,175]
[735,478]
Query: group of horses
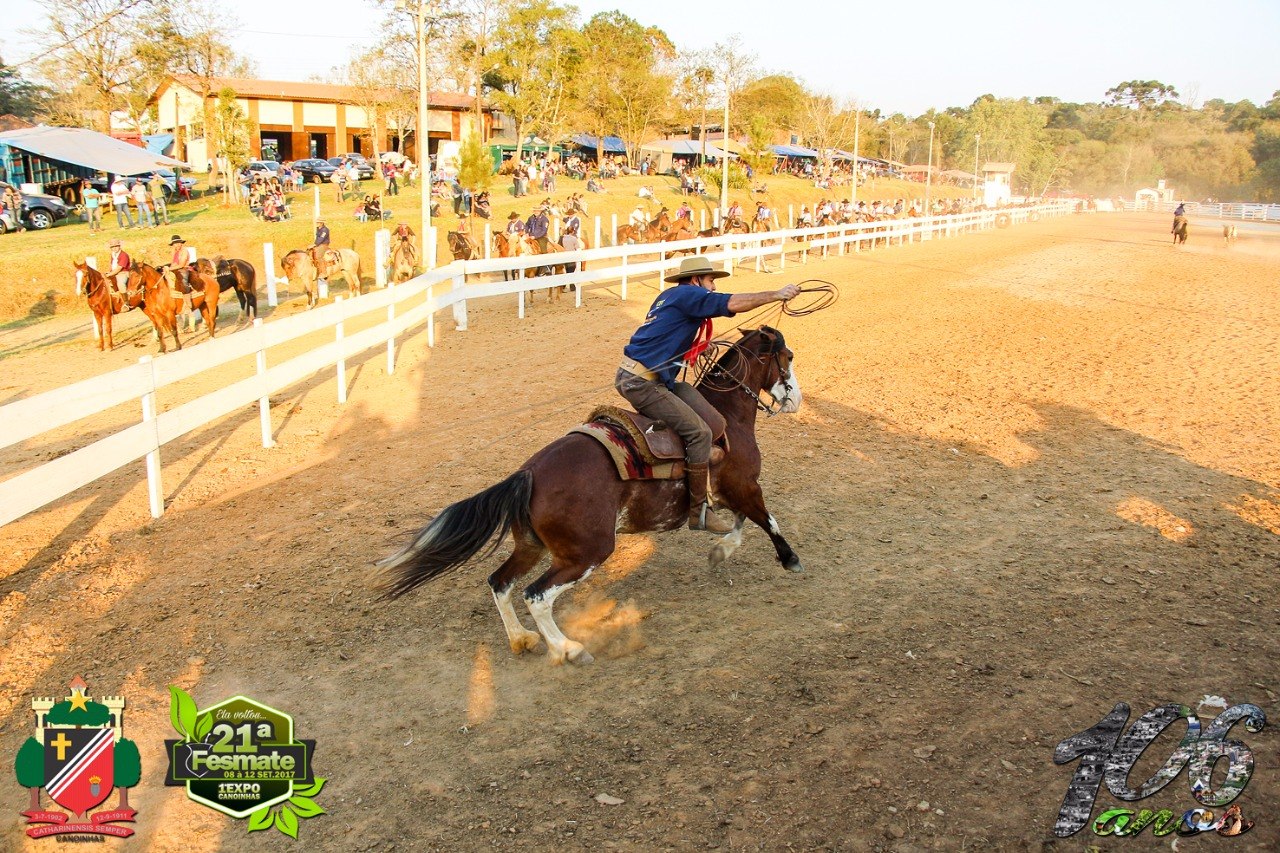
[152,290]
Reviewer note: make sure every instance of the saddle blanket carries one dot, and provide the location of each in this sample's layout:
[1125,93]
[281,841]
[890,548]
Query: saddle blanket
[626,456]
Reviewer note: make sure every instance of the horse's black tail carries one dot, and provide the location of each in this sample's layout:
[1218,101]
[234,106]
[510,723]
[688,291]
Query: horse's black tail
[458,533]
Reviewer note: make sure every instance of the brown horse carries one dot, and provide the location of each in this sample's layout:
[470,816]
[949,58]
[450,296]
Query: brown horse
[104,301]
[300,269]
[343,262]
[518,246]
[237,274]
[150,290]
[568,499]
[681,229]
[402,261]
[650,233]
[1179,231]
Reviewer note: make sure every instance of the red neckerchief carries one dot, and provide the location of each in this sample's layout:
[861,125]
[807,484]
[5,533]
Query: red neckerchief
[700,342]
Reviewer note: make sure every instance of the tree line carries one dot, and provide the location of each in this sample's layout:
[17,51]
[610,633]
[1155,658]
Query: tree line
[551,73]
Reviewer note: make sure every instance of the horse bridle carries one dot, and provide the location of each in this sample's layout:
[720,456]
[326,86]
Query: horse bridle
[777,405]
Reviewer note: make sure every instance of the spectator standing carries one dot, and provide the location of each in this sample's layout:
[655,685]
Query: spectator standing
[92,205]
[142,199]
[570,242]
[392,188]
[157,187]
[120,200]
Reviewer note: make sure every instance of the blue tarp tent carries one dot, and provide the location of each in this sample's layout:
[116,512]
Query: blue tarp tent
[612,144]
[158,143]
[793,151]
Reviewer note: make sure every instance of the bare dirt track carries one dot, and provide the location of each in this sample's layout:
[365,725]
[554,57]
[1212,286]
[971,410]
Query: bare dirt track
[1037,473]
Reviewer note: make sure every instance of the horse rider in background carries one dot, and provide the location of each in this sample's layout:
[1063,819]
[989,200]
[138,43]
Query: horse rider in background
[119,266]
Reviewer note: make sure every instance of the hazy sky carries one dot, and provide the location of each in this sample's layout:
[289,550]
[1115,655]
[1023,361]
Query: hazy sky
[899,57]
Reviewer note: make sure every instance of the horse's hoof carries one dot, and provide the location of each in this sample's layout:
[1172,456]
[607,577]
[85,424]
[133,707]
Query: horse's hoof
[576,653]
[526,642]
[718,555]
[793,565]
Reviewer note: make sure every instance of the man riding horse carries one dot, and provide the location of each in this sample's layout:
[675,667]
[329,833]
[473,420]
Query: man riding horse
[677,329]
[179,269]
[403,237]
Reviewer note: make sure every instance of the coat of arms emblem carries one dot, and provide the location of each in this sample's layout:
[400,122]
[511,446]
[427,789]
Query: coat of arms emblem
[77,756]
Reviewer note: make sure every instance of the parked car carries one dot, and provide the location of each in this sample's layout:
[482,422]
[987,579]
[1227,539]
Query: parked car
[314,170]
[362,165]
[261,168]
[6,223]
[42,210]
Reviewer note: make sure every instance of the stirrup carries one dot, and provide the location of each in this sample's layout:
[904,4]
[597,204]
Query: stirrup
[702,518]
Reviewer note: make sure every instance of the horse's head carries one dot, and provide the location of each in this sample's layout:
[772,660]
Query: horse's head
[87,278]
[764,363]
[135,287]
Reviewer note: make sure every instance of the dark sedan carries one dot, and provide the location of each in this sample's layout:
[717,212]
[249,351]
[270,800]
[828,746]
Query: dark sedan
[314,170]
[362,165]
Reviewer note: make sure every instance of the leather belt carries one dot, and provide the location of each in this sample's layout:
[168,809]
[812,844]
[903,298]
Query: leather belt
[637,369]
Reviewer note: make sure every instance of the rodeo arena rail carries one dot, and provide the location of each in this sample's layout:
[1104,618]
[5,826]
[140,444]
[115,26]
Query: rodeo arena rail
[1244,211]
[406,306]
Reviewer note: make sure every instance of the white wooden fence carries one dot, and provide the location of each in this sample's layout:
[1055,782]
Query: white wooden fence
[1244,211]
[405,306]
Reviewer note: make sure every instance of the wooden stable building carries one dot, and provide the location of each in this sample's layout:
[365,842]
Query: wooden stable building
[294,121]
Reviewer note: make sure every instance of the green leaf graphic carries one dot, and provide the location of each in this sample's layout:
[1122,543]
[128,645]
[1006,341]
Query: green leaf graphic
[310,790]
[305,806]
[182,712]
[261,819]
[287,822]
[203,725]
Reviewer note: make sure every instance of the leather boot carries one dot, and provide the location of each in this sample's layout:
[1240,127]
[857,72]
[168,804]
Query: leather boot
[700,515]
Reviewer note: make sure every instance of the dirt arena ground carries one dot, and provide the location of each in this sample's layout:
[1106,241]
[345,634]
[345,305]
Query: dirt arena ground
[1037,473]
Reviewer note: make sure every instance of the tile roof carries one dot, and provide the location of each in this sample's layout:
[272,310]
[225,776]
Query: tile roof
[289,90]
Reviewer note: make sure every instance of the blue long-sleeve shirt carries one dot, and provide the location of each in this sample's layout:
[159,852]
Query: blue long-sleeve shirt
[671,325]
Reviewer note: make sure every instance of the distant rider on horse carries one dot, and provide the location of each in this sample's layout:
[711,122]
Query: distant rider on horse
[404,237]
[677,329]
[178,270]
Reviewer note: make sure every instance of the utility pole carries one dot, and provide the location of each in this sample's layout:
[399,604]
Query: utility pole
[928,175]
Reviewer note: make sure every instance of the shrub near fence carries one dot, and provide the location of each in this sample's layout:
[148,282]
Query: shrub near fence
[405,306]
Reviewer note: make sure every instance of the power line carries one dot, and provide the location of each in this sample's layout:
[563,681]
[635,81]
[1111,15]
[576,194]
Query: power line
[305,35]
[125,8]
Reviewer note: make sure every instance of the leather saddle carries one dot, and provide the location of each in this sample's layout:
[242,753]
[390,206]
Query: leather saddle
[656,440]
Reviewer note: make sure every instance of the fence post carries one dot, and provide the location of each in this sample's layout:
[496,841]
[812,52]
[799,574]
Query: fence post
[338,332]
[269,264]
[431,316]
[520,302]
[429,248]
[264,402]
[391,335]
[154,495]
[791,216]
[381,250]
[460,308]
[702,219]
[624,273]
